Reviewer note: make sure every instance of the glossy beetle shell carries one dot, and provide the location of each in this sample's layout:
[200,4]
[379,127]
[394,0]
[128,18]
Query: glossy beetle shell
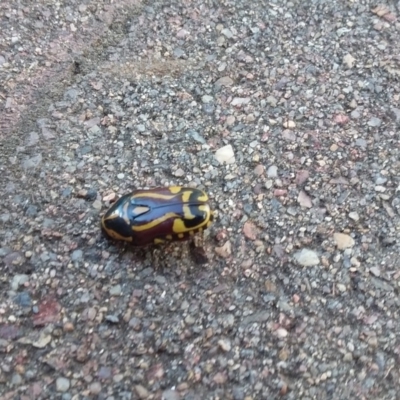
[158,215]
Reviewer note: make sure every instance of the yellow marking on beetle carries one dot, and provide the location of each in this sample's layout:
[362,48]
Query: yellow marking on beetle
[103,224]
[116,235]
[159,241]
[175,189]
[168,237]
[191,233]
[125,213]
[116,215]
[187,213]
[207,211]
[152,195]
[205,208]
[186,196]
[203,197]
[179,226]
[154,222]
[111,217]
[181,235]
[139,210]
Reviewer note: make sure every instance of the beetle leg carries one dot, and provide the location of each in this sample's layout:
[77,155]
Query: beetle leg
[155,256]
[161,253]
[197,249]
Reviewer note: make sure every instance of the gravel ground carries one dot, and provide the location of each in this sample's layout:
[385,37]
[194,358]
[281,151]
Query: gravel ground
[287,113]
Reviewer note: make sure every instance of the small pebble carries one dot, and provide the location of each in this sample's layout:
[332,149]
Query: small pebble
[97,205]
[141,128]
[354,216]
[170,395]
[341,287]
[95,388]
[239,101]
[179,172]
[23,299]
[224,81]
[18,280]
[343,241]
[110,197]
[380,180]
[306,257]
[259,170]
[375,122]
[225,155]
[16,379]
[334,147]
[196,136]
[115,290]
[207,99]
[348,357]
[142,392]
[272,171]
[281,333]
[230,120]
[68,327]
[224,345]
[112,318]
[375,271]
[118,378]
[348,59]
[227,32]
[77,255]
[289,124]
[62,384]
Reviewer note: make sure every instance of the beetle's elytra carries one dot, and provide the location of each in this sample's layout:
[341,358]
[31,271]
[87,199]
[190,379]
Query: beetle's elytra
[158,215]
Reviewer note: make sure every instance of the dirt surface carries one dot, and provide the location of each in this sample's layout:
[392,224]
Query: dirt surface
[287,113]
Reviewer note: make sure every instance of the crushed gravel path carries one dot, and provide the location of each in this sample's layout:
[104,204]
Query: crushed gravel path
[287,113]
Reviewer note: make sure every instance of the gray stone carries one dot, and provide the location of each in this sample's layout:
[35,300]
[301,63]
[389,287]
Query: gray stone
[77,255]
[170,395]
[196,136]
[62,384]
[375,122]
[18,280]
[227,33]
[224,81]
[207,99]
[115,290]
[178,52]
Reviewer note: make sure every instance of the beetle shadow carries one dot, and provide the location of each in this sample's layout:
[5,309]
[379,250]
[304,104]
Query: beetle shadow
[161,257]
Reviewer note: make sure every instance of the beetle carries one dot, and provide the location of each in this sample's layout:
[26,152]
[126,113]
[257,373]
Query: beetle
[158,215]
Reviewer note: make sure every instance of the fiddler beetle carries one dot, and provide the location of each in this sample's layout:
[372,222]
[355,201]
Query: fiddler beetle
[158,215]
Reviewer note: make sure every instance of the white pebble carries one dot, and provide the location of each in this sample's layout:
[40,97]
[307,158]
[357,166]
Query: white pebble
[207,99]
[354,216]
[306,257]
[343,241]
[272,171]
[225,155]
